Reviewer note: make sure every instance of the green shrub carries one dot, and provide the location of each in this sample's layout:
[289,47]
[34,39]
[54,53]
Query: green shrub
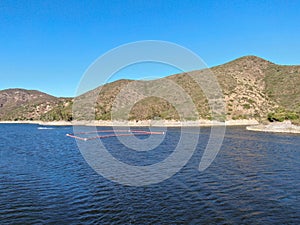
[251,101]
[281,115]
[246,106]
[272,117]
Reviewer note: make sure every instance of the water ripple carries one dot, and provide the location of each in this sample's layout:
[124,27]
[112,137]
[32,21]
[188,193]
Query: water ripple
[44,179]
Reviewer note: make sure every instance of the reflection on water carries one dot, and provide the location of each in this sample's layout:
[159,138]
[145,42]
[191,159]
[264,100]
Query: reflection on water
[44,179]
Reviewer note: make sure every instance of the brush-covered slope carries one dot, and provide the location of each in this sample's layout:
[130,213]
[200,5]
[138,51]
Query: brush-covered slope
[21,104]
[252,88]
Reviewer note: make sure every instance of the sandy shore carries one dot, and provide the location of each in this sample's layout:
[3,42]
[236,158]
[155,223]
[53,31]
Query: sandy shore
[141,123]
[283,127]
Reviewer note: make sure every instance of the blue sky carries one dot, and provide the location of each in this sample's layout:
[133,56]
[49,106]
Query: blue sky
[47,45]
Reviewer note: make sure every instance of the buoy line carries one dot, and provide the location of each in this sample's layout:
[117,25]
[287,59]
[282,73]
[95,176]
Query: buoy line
[114,133]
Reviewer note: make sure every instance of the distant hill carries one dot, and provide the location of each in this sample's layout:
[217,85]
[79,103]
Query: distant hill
[252,88]
[20,104]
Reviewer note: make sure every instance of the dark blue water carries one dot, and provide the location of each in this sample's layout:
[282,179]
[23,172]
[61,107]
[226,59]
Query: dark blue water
[255,179]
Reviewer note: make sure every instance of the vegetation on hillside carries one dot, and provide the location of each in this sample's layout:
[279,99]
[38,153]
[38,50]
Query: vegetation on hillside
[252,88]
[281,114]
[63,111]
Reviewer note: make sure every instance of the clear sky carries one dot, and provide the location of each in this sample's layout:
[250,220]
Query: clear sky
[48,44]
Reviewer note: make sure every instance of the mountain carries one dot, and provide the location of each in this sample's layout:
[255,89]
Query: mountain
[252,88]
[21,104]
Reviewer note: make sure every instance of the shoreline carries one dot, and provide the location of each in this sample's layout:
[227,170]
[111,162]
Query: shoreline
[276,127]
[141,123]
[251,125]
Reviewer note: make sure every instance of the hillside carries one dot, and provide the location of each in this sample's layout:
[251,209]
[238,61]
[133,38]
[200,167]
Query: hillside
[252,88]
[20,104]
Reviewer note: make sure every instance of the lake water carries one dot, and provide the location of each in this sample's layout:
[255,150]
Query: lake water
[255,179]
